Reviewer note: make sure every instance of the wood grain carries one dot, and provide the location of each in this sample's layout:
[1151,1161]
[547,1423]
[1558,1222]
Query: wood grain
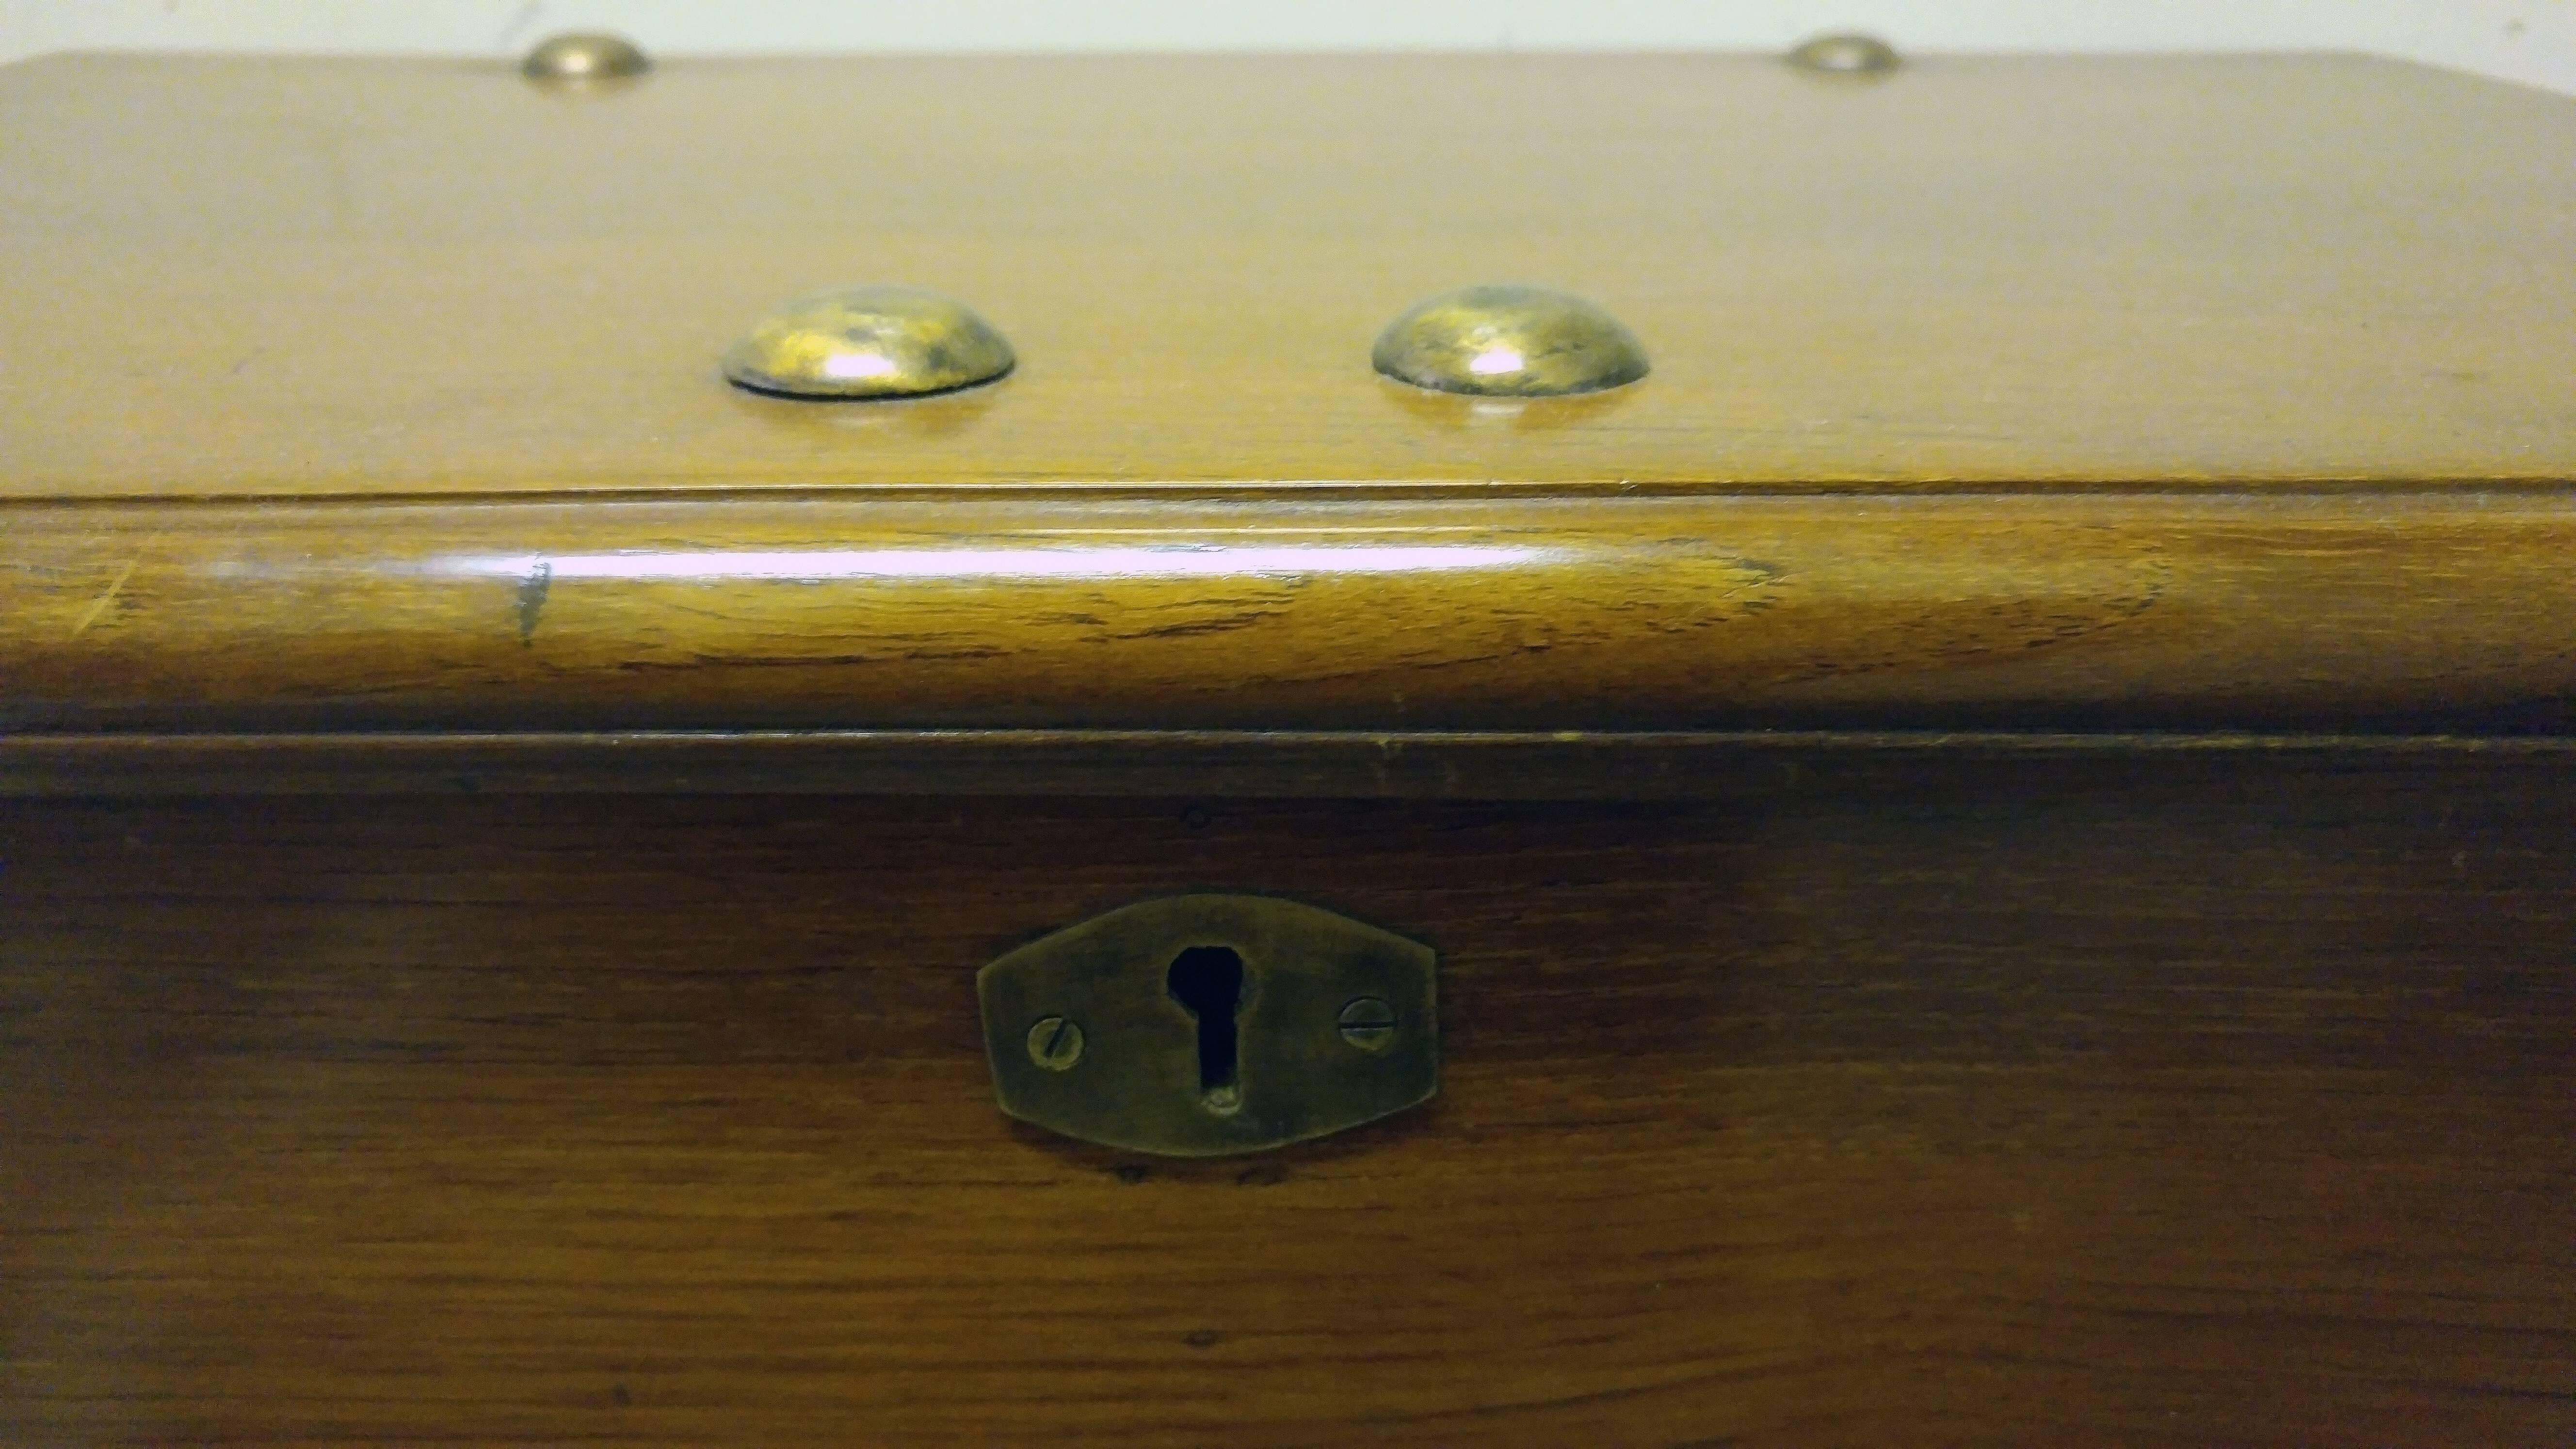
[233,277]
[2198,1100]
[1100,612]
[363,430]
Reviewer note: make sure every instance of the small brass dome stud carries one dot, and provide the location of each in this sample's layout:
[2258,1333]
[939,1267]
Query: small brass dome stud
[583,59]
[868,342]
[1509,341]
[1861,56]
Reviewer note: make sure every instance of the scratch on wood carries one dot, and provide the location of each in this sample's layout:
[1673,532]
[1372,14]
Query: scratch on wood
[532,599]
[90,615]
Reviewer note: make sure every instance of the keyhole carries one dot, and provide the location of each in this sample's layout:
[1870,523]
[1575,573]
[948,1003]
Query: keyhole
[1208,983]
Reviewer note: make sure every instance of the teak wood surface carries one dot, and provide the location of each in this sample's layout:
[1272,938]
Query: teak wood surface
[267,277]
[1063,612]
[2086,578]
[2197,1100]
[382,396]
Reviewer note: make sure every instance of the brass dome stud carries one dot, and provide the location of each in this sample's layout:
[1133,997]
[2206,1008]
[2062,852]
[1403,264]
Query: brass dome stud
[1509,341]
[868,342]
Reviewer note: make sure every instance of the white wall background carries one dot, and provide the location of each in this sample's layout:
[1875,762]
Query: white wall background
[2533,41]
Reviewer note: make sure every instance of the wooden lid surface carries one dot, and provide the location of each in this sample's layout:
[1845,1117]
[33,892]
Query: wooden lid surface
[371,399]
[315,277]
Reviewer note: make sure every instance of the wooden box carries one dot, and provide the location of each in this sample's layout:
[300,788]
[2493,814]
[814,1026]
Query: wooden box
[1996,829]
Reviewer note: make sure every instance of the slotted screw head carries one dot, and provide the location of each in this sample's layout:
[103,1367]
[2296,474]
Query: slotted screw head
[1055,1042]
[1368,1024]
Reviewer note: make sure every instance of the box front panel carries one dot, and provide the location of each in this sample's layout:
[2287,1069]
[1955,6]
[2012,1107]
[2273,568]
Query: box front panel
[2100,1100]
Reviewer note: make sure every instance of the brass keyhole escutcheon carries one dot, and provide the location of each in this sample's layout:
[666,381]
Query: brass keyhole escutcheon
[1200,1025]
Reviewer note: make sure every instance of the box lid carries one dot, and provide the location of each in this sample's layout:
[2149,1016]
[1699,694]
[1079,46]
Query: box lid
[309,277]
[380,399]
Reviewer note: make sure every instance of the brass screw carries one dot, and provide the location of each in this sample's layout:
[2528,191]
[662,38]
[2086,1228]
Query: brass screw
[1851,55]
[1368,1024]
[584,58]
[1055,1043]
